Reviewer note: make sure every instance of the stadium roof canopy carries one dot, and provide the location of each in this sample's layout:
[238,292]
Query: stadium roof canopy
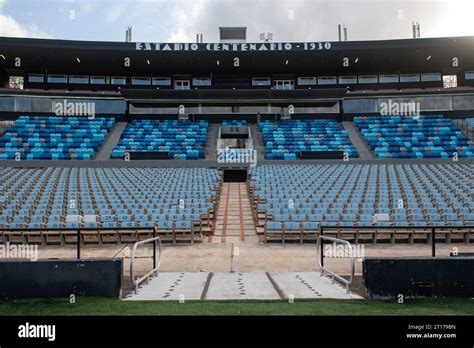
[90,57]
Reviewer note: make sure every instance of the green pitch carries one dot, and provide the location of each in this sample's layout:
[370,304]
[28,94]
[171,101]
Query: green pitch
[102,306]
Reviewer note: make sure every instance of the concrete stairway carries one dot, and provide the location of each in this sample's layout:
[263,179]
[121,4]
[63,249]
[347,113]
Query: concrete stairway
[211,144]
[112,139]
[258,143]
[357,140]
[234,219]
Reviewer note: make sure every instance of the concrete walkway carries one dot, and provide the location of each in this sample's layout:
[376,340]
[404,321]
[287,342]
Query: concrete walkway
[240,286]
[357,140]
[113,139]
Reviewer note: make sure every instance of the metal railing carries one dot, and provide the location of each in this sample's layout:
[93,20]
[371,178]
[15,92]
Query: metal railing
[156,262]
[320,256]
[77,231]
[428,230]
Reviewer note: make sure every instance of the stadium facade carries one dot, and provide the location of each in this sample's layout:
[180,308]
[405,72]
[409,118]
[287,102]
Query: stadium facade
[266,77]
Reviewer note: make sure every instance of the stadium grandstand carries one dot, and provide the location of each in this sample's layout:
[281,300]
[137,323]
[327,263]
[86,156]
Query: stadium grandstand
[107,146]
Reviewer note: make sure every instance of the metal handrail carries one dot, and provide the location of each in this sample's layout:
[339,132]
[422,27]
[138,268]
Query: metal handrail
[156,265]
[319,256]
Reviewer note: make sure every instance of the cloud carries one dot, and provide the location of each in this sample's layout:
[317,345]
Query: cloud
[11,28]
[116,12]
[185,20]
[302,20]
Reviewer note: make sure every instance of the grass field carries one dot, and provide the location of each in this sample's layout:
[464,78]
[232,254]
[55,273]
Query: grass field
[102,306]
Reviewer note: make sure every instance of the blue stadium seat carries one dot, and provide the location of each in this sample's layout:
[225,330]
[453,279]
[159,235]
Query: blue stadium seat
[350,195]
[183,140]
[286,139]
[54,138]
[414,137]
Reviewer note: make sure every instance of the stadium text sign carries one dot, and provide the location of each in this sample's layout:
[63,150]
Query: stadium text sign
[235,47]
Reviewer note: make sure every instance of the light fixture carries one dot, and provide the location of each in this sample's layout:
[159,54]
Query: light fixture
[357,59]
[428,58]
[286,62]
[78,60]
[148,61]
[218,62]
[1,55]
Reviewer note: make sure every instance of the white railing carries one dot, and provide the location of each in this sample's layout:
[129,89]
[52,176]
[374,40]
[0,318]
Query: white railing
[319,257]
[156,262]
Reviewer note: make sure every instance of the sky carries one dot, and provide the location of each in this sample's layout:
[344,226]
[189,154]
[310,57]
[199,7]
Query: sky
[181,20]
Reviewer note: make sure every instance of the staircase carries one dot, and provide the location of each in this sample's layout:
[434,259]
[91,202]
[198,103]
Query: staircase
[211,144]
[357,140]
[111,141]
[234,222]
[258,143]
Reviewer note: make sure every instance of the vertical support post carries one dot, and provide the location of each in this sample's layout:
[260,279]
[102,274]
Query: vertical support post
[127,112]
[341,110]
[154,247]
[78,244]
[433,242]
[321,233]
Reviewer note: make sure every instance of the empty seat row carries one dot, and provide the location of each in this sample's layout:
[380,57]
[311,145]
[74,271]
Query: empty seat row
[107,197]
[365,195]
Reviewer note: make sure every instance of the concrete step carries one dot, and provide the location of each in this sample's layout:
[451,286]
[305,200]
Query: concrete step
[111,141]
[234,219]
[357,140]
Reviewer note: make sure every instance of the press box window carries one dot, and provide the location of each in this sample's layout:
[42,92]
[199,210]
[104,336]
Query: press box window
[119,80]
[347,80]
[430,77]
[368,79]
[141,81]
[307,81]
[201,81]
[79,79]
[388,78]
[409,78]
[99,80]
[469,75]
[37,78]
[161,81]
[261,81]
[57,79]
[327,80]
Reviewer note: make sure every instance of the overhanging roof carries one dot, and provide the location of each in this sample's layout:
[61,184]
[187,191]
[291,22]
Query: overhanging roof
[407,55]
